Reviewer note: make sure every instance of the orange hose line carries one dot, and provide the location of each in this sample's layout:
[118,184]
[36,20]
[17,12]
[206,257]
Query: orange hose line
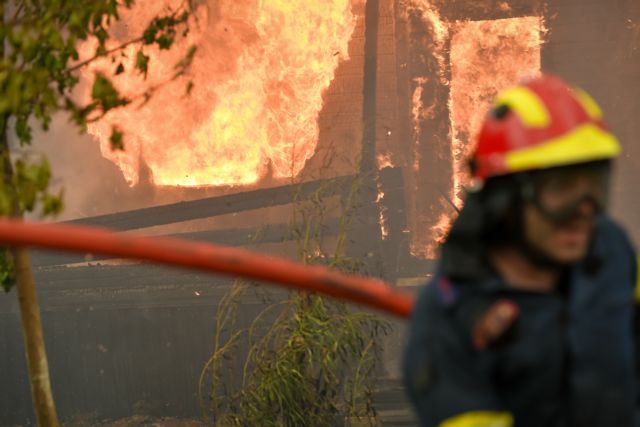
[209,257]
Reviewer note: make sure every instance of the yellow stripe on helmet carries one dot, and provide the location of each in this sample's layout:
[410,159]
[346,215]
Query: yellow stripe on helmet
[480,419]
[588,103]
[585,143]
[527,105]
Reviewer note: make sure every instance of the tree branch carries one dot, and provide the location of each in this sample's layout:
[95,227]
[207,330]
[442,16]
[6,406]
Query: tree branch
[106,53]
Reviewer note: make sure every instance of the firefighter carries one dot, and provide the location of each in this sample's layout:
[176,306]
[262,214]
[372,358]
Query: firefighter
[528,320]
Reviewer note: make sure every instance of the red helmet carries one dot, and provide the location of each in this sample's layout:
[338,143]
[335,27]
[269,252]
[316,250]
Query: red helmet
[540,124]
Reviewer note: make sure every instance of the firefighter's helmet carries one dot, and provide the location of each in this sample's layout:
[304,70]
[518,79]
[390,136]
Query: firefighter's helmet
[540,124]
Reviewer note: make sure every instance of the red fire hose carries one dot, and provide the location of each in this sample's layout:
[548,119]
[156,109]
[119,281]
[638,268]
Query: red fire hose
[208,257]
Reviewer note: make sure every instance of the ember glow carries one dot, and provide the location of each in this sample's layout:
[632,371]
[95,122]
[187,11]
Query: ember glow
[259,76]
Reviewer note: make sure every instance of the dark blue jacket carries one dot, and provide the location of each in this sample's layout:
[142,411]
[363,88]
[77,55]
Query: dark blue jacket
[569,360]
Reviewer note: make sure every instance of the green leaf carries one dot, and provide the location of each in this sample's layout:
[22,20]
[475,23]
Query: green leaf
[165,42]
[142,63]
[52,204]
[149,34]
[7,271]
[23,130]
[30,180]
[106,94]
[116,139]
[101,35]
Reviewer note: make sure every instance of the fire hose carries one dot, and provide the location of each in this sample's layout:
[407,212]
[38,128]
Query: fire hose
[209,257]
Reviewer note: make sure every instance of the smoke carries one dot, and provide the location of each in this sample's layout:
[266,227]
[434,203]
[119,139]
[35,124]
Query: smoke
[92,185]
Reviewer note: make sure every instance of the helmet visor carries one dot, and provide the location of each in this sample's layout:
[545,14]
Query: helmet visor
[559,193]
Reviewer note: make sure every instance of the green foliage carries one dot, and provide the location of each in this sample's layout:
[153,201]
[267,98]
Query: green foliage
[311,360]
[116,139]
[314,366]
[39,66]
[30,181]
[7,274]
[142,63]
[105,95]
[39,63]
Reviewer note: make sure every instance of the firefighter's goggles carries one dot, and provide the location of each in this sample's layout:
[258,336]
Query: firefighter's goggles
[559,193]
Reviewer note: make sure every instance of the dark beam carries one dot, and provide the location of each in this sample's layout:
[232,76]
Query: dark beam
[367,246]
[213,206]
[368,160]
[480,10]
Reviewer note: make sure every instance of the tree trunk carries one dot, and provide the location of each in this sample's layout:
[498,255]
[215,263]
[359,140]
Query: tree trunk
[29,310]
[44,406]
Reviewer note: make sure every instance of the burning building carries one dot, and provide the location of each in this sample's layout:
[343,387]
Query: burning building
[288,97]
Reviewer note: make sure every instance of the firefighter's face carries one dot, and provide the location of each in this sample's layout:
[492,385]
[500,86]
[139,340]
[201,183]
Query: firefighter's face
[559,220]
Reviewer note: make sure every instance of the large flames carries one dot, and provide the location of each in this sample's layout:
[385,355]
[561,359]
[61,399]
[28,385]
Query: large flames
[259,76]
[484,57]
[260,73]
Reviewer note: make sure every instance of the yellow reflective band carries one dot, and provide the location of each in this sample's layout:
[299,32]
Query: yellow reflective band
[637,293]
[527,105]
[480,419]
[588,103]
[586,143]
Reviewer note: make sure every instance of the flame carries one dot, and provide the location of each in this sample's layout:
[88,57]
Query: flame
[384,161]
[419,113]
[504,7]
[486,57]
[382,215]
[259,76]
[439,31]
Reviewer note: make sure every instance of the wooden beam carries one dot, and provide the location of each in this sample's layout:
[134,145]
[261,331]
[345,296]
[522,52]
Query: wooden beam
[214,206]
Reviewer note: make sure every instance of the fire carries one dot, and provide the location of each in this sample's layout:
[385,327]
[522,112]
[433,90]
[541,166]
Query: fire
[439,31]
[483,58]
[259,76]
[486,57]
[419,113]
[384,161]
[382,215]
